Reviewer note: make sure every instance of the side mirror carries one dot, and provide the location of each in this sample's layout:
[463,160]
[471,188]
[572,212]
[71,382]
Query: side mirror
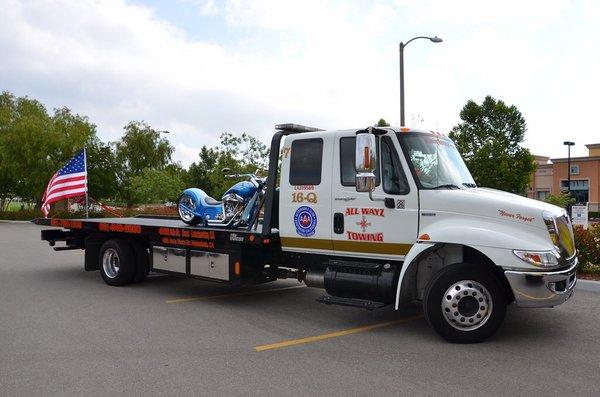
[365,182]
[366,162]
[366,153]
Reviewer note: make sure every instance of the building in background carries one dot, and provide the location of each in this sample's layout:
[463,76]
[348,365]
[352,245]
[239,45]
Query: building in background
[551,177]
[540,185]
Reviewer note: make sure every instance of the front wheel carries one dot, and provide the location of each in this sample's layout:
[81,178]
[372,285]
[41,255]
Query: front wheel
[465,303]
[186,205]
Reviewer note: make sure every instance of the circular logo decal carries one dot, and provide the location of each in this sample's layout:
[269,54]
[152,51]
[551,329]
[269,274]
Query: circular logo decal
[305,221]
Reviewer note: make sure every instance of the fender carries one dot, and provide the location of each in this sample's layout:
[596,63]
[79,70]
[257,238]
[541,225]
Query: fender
[414,253]
[203,208]
[491,237]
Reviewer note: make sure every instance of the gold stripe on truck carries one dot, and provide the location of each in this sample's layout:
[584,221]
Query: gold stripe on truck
[347,246]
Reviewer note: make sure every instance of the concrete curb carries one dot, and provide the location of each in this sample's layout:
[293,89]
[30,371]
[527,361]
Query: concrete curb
[588,285]
[8,221]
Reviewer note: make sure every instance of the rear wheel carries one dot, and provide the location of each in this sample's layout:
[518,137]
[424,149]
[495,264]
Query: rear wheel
[185,207]
[117,262]
[465,303]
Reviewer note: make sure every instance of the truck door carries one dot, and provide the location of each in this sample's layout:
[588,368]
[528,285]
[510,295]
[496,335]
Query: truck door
[386,227]
[305,193]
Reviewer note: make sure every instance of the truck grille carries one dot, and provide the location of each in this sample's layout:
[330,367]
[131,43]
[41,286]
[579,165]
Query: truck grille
[564,229]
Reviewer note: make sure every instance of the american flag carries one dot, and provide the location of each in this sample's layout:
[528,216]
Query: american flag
[69,181]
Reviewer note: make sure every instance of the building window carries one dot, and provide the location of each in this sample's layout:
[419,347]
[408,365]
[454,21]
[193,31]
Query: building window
[542,194]
[305,161]
[575,169]
[580,189]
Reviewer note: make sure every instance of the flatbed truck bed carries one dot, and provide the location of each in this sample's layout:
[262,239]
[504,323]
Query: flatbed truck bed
[167,245]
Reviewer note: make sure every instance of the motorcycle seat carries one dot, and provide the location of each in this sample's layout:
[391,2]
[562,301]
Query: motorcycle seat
[211,201]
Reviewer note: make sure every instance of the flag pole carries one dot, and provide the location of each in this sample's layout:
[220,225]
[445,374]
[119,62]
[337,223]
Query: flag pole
[87,205]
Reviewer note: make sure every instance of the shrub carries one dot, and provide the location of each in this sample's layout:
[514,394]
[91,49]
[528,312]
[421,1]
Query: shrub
[561,200]
[588,245]
[30,214]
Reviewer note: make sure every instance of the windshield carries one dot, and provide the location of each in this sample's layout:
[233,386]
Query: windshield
[436,161]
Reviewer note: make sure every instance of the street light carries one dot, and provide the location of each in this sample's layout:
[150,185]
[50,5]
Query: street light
[569,144]
[434,39]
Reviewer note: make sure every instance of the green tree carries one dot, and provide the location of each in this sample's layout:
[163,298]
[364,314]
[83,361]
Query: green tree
[488,138]
[255,154]
[382,123]
[34,145]
[199,173]
[7,178]
[140,148]
[102,170]
[240,154]
[562,199]
[156,186]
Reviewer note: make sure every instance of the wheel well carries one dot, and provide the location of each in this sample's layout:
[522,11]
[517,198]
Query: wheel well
[472,255]
[429,262]
[94,242]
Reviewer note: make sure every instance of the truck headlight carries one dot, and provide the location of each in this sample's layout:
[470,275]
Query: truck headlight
[539,258]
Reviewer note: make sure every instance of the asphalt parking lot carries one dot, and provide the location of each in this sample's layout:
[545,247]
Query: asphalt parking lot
[63,331]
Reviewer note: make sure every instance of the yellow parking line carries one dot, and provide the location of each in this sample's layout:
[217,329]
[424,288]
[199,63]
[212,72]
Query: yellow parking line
[316,338]
[255,292]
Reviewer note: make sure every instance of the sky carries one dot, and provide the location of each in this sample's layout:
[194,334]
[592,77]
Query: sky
[198,68]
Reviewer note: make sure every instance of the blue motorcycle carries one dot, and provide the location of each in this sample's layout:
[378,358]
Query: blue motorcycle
[236,208]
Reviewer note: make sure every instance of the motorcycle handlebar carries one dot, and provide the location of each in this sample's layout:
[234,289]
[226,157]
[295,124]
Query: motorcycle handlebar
[240,175]
[251,176]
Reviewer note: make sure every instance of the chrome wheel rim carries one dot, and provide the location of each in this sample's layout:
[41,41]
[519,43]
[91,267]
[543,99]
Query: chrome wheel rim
[110,263]
[188,202]
[467,305]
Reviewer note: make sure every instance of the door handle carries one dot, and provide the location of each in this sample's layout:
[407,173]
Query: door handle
[338,223]
[390,203]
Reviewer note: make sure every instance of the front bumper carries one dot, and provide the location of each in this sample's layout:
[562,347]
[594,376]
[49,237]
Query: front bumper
[543,289]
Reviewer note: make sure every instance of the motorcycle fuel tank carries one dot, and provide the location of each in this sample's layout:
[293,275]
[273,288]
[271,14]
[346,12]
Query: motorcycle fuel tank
[243,189]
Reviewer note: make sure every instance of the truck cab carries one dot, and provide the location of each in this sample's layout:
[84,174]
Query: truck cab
[392,215]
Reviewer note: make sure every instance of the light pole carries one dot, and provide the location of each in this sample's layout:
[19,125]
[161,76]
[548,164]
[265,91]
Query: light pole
[434,39]
[568,144]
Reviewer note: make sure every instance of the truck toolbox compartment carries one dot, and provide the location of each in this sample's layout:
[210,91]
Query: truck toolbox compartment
[169,259]
[209,264]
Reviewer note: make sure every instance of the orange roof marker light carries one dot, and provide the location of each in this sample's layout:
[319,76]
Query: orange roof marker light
[424,237]
[404,129]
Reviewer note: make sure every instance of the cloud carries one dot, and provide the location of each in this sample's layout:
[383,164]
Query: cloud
[326,63]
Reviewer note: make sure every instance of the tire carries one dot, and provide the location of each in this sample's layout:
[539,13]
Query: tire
[117,262]
[142,261]
[465,303]
[184,215]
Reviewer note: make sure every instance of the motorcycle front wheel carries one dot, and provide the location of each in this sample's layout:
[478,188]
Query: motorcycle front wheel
[185,207]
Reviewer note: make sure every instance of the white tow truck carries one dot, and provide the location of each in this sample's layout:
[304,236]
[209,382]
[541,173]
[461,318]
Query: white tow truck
[375,217]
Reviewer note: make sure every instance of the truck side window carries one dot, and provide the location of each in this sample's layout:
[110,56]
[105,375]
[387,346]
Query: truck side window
[306,161]
[347,160]
[394,180]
